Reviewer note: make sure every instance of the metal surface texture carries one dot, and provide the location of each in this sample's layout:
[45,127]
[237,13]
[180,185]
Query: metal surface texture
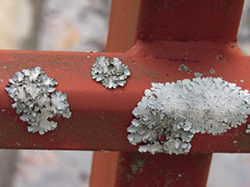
[136,169]
[188,20]
[172,20]
[153,38]
[101,116]
[174,32]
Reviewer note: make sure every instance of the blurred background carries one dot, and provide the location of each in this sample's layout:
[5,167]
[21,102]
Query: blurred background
[79,26]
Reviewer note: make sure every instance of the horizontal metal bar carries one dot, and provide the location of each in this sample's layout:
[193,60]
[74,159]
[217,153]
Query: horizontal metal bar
[100,116]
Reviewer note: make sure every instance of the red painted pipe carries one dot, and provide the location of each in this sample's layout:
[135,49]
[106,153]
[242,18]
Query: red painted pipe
[100,116]
[181,21]
[200,34]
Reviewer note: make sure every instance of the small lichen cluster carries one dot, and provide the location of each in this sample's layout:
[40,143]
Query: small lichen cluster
[34,99]
[197,74]
[183,67]
[111,72]
[248,129]
[170,114]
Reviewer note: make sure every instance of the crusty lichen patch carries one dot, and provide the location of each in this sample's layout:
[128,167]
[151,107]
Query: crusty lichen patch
[183,67]
[169,115]
[35,100]
[111,72]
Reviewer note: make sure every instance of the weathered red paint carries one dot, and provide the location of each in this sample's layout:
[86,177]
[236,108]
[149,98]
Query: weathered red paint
[105,169]
[123,25]
[160,61]
[101,116]
[135,169]
[174,32]
[172,20]
[190,20]
[166,34]
[162,170]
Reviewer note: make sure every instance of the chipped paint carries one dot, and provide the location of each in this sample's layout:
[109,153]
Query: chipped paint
[111,72]
[220,57]
[35,100]
[169,115]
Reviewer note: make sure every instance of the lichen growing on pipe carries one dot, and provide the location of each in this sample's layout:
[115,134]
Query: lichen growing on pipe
[111,72]
[35,100]
[169,114]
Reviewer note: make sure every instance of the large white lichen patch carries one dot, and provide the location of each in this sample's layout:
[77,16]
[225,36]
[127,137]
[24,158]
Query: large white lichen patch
[111,72]
[170,114]
[35,100]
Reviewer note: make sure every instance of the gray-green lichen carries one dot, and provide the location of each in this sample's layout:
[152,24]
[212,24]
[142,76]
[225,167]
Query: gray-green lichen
[212,71]
[169,115]
[183,67]
[35,100]
[111,72]
[197,74]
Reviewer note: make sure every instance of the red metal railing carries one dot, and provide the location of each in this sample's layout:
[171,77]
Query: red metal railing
[167,33]
[153,38]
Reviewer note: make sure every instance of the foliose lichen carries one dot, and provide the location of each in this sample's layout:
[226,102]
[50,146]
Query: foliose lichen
[169,114]
[35,100]
[111,72]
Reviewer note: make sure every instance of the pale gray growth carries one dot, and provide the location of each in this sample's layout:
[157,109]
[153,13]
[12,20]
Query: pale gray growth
[35,99]
[170,114]
[248,129]
[212,71]
[197,74]
[183,67]
[111,72]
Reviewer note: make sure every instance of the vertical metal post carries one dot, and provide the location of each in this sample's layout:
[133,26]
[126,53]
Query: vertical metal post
[123,169]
